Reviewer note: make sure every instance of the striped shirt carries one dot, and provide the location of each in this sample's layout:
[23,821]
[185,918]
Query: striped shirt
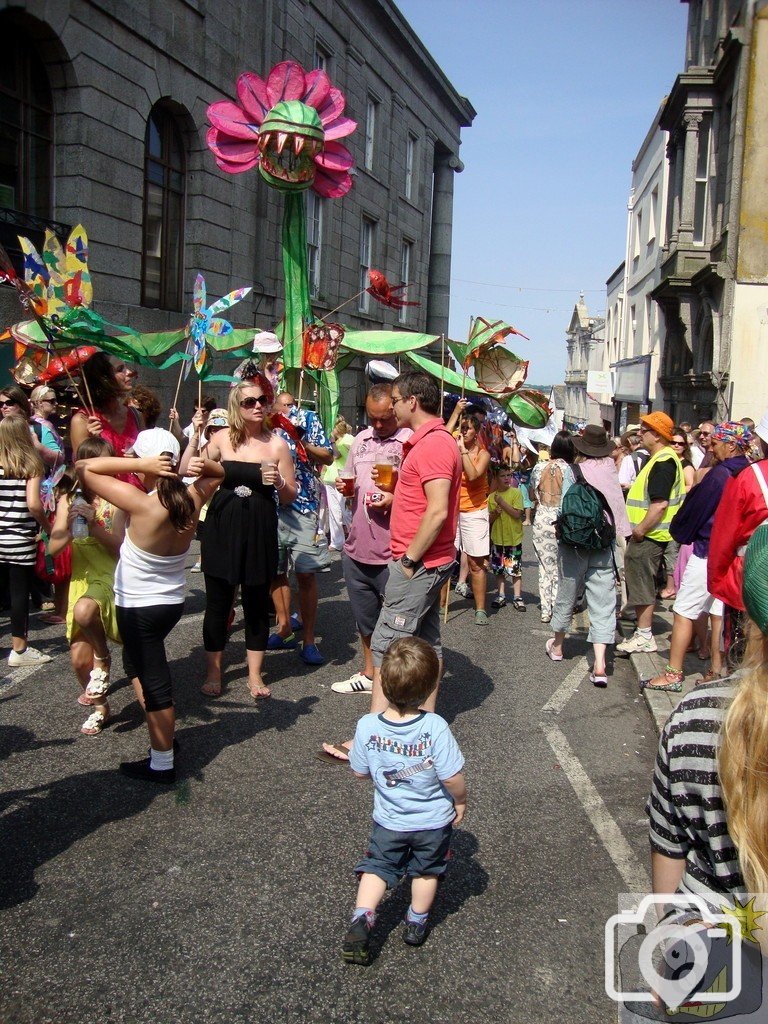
[18,528]
[685,808]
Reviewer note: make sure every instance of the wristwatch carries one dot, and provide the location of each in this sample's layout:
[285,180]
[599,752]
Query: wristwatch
[408,563]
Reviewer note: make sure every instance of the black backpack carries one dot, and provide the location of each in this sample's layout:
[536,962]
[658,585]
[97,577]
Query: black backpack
[585,520]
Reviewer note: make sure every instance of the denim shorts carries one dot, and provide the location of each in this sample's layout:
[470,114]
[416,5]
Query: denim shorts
[301,545]
[416,854]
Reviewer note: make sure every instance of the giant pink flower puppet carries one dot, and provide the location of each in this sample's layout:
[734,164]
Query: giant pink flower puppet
[288,127]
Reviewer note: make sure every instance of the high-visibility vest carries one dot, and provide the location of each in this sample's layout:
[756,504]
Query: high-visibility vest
[638,500]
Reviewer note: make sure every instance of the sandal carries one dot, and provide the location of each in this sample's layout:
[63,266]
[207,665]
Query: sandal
[85,701]
[334,753]
[211,688]
[52,619]
[669,681]
[261,692]
[98,684]
[518,604]
[598,679]
[708,677]
[94,723]
[548,648]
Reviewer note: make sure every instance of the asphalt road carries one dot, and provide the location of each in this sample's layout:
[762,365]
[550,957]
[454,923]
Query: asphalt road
[225,898]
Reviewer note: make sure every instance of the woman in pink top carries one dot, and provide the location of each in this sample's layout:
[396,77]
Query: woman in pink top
[110,384]
[592,571]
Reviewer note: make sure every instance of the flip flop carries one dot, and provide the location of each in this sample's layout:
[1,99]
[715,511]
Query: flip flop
[548,648]
[52,619]
[324,755]
[211,690]
[261,696]
[597,679]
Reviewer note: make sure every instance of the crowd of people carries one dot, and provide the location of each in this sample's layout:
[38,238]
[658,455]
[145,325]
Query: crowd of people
[417,505]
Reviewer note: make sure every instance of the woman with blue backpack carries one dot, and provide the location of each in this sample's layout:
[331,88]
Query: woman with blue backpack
[592,513]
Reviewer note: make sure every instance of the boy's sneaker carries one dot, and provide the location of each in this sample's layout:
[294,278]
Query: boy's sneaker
[462,590]
[355,948]
[414,934]
[30,656]
[358,683]
[637,644]
[499,602]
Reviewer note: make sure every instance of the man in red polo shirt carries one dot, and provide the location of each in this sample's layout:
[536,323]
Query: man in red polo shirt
[423,521]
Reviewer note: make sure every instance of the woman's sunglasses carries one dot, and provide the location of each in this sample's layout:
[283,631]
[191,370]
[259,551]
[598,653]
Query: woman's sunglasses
[251,402]
[679,444]
[7,403]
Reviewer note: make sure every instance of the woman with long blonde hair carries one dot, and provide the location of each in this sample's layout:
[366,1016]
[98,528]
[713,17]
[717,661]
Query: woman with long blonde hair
[709,803]
[239,546]
[21,518]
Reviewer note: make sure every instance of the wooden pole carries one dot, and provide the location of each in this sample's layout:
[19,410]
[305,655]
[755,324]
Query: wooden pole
[301,387]
[463,365]
[199,391]
[446,594]
[178,385]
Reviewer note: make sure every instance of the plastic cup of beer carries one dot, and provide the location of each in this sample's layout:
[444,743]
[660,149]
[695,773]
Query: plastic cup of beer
[386,467]
[269,471]
[347,483]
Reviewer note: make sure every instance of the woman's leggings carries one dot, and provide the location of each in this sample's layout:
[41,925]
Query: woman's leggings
[219,596]
[19,580]
[143,631]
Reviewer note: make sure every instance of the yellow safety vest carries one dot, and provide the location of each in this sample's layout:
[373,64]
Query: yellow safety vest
[638,500]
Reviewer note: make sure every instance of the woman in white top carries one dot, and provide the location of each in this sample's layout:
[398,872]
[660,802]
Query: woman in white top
[150,576]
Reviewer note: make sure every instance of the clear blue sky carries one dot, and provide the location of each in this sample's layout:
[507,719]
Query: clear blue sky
[565,93]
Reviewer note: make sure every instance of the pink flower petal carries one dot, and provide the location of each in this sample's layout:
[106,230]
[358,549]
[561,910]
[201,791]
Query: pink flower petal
[318,88]
[333,107]
[224,165]
[231,120]
[339,128]
[334,157]
[252,93]
[330,184]
[231,150]
[286,82]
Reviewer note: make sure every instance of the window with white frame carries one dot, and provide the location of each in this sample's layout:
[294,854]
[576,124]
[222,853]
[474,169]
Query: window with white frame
[653,215]
[371,118]
[314,241]
[321,59]
[638,236]
[701,191]
[410,165]
[406,259]
[367,232]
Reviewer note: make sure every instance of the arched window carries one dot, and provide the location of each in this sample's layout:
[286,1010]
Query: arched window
[165,168]
[26,128]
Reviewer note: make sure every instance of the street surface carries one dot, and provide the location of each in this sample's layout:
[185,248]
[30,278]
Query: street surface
[225,898]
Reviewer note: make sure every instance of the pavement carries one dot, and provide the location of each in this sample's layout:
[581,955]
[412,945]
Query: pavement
[662,703]
[224,898]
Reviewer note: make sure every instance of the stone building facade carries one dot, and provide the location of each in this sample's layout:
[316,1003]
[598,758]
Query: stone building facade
[712,290]
[585,344]
[104,123]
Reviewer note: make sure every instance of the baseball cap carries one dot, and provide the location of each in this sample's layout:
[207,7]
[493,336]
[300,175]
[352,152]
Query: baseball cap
[155,442]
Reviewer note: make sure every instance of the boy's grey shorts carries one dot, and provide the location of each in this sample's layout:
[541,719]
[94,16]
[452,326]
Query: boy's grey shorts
[417,854]
[365,585]
[411,608]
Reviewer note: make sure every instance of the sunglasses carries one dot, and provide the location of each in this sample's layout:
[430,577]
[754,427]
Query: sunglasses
[679,444]
[7,403]
[705,433]
[251,402]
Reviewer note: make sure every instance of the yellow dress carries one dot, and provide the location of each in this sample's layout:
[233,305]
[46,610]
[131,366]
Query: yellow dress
[93,576]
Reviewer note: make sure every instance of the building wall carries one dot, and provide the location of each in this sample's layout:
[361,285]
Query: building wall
[110,61]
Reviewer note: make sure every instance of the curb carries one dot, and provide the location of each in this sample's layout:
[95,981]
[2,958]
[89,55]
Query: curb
[661,704]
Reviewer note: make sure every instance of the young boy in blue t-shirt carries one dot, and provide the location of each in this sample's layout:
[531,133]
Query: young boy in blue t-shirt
[420,794]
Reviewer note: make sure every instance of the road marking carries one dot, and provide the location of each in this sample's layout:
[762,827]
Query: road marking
[632,872]
[567,688]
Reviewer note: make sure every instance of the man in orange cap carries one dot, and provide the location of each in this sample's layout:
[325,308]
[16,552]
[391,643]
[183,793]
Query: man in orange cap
[652,502]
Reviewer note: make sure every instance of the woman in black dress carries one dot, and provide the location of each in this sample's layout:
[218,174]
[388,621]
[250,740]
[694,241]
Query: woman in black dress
[239,545]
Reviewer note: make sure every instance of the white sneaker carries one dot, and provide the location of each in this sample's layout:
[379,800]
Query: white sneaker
[358,683]
[196,567]
[31,656]
[637,644]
